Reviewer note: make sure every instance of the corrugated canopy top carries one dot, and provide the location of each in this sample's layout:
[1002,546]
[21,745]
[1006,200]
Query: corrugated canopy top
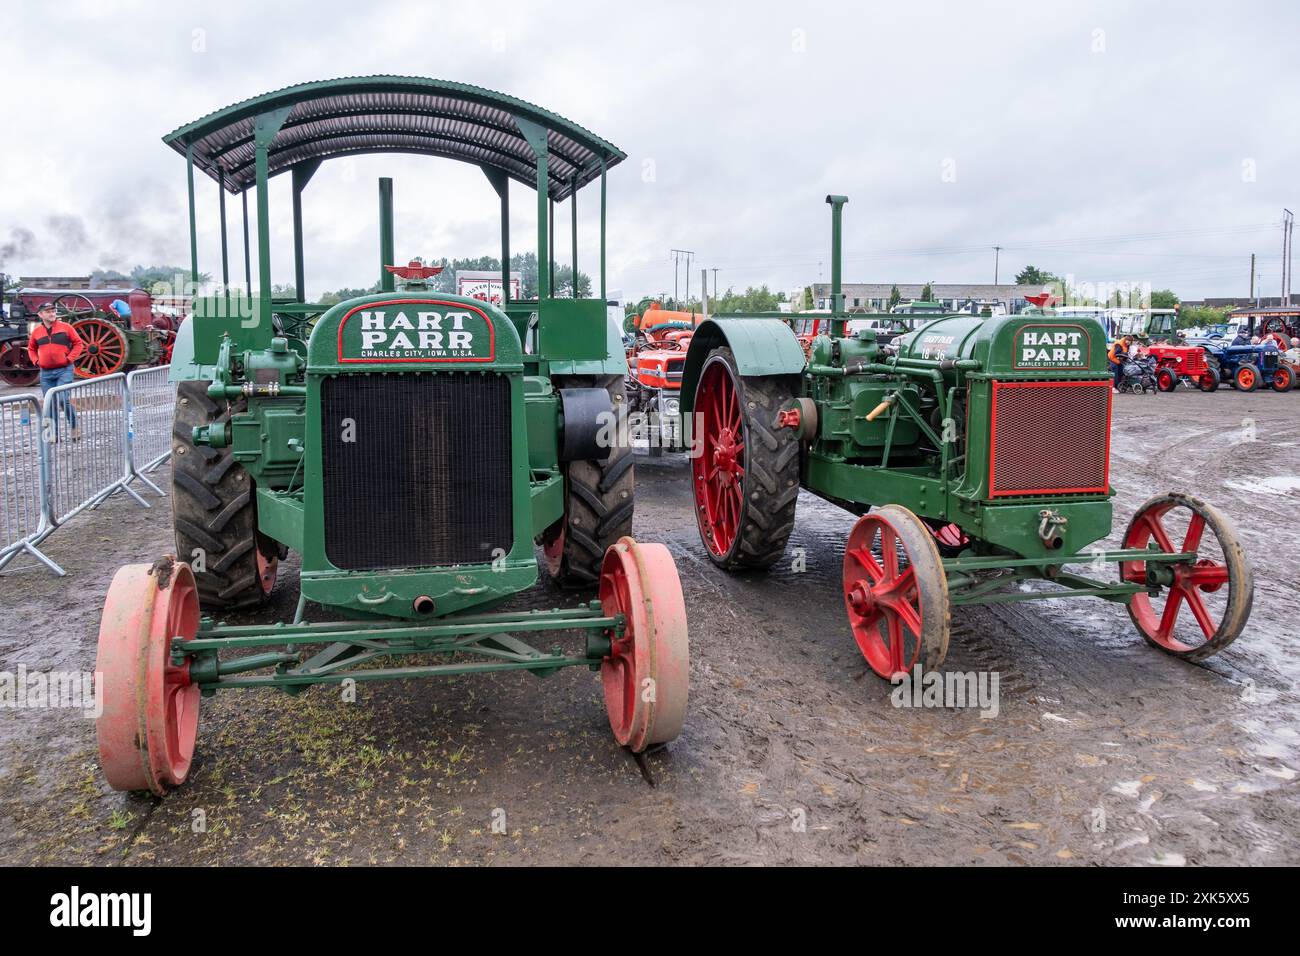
[385,114]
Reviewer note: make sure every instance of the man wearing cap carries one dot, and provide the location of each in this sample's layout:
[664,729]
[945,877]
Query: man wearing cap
[54,347]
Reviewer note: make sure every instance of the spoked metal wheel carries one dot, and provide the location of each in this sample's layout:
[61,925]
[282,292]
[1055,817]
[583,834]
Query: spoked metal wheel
[895,592]
[744,465]
[150,713]
[105,348]
[1203,602]
[16,366]
[645,675]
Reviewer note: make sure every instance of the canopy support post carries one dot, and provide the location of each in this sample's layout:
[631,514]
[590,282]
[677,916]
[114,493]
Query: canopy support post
[302,174]
[248,260]
[265,128]
[536,137]
[387,281]
[501,183]
[603,296]
[550,259]
[225,254]
[573,203]
[194,236]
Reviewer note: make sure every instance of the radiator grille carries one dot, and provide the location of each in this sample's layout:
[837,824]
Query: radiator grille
[426,482]
[1050,438]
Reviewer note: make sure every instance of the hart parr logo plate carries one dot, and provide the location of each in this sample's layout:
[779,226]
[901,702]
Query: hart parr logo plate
[416,330]
[1052,347]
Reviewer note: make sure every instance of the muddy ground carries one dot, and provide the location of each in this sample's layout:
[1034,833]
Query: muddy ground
[1105,750]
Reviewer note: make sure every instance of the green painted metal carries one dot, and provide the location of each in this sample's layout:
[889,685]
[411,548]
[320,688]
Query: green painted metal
[761,345]
[603,293]
[229,123]
[480,643]
[912,423]
[386,254]
[248,250]
[301,175]
[837,288]
[194,235]
[225,250]
[277,371]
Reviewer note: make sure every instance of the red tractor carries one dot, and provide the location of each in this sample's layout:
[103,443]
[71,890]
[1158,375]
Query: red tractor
[1182,363]
[654,381]
[114,341]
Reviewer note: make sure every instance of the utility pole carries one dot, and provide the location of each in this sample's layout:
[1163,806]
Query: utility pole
[677,254]
[715,282]
[997,253]
[704,292]
[1288,222]
[1252,277]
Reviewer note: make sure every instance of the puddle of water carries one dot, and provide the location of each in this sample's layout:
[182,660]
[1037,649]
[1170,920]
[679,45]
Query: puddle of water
[1279,485]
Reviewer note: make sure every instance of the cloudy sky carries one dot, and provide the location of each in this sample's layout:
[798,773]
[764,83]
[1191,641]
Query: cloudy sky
[1115,142]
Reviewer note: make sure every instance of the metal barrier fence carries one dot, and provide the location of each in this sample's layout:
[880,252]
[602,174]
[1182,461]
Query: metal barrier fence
[22,508]
[151,403]
[75,449]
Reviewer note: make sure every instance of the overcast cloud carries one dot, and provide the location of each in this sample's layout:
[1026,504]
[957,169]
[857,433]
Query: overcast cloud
[1134,142]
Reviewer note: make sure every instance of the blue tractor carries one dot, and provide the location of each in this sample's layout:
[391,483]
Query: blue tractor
[1247,367]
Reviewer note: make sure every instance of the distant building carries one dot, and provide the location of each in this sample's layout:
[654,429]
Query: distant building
[874,296]
[1241,302]
[57,282]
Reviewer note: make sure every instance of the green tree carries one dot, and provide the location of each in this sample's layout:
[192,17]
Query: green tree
[1032,275]
[895,297]
[807,298]
[146,277]
[1163,299]
[761,299]
[927,293]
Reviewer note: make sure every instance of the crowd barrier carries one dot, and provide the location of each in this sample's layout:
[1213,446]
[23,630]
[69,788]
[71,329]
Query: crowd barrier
[70,451]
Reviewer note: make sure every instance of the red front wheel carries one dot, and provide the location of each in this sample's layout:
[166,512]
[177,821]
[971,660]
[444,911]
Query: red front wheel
[150,716]
[645,674]
[895,592]
[1195,607]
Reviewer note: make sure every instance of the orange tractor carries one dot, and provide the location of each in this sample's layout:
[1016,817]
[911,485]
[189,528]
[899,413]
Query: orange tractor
[655,360]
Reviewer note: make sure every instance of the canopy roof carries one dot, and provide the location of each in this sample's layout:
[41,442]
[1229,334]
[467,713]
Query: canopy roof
[385,114]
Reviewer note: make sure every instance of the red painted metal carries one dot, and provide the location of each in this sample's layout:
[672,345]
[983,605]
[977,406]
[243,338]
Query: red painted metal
[1072,456]
[880,594]
[718,472]
[645,675]
[1191,580]
[105,351]
[150,715]
[788,418]
[415,269]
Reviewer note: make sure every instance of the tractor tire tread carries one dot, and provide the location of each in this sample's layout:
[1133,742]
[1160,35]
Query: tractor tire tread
[213,506]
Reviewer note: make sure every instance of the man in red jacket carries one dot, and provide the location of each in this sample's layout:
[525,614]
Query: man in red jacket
[54,347]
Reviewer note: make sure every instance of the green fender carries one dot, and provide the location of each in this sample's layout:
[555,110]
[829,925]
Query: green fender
[184,366]
[762,346]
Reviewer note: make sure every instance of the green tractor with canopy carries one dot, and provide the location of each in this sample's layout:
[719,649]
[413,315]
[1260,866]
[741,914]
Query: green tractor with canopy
[976,451]
[414,447]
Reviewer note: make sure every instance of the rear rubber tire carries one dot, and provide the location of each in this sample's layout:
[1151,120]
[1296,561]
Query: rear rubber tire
[1209,382]
[598,503]
[214,509]
[769,486]
[1283,379]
